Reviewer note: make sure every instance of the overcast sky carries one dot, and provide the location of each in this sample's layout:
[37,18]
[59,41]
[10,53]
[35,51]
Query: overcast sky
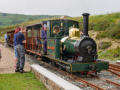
[59,7]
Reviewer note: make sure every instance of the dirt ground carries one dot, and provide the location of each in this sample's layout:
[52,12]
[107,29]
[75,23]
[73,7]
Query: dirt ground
[8,62]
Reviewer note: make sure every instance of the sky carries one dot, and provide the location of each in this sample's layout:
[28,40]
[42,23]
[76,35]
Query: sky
[59,7]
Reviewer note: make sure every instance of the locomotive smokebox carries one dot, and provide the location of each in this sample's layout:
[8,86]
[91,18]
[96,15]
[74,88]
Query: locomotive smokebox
[85,23]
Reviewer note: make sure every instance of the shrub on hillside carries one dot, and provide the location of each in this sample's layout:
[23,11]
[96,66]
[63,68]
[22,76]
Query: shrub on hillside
[101,35]
[112,54]
[104,45]
[115,52]
[112,32]
[101,25]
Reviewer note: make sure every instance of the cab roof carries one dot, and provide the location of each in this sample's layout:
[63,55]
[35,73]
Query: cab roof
[40,23]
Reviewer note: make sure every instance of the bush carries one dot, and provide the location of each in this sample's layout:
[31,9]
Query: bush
[104,45]
[112,54]
[101,25]
[101,35]
[112,32]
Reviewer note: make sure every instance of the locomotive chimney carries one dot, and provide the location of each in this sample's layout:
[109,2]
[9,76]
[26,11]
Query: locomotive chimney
[85,23]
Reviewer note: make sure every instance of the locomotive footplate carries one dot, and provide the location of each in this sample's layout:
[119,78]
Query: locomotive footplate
[94,66]
[81,67]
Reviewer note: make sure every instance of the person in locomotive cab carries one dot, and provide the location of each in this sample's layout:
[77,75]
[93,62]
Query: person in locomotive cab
[56,29]
[44,37]
[19,39]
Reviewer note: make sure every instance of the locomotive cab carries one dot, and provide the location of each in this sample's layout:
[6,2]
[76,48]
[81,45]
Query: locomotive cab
[58,29]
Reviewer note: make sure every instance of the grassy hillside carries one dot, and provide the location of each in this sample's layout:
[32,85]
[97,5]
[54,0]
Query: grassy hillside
[12,19]
[108,25]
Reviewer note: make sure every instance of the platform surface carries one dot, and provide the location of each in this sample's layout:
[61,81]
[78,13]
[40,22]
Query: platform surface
[8,62]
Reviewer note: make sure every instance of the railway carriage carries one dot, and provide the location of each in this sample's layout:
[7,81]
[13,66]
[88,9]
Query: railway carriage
[11,35]
[66,47]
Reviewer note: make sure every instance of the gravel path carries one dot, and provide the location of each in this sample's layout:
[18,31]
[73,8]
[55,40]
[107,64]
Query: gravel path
[8,62]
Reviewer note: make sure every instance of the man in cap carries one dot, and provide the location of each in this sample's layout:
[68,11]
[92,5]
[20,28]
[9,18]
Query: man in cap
[19,39]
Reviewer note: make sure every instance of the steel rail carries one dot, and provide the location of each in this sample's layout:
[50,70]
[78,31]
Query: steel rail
[114,65]
[108,81]
[114,68]
[112,71]
[117,84]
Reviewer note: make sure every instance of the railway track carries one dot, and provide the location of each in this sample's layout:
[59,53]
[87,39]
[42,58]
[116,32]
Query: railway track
[84,83]
[114,68]
[113,85]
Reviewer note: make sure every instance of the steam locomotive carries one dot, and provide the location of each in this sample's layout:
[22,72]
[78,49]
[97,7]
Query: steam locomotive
[66,47]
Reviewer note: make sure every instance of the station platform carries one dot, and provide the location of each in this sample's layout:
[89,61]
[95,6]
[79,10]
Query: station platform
[8,62]
[51,80]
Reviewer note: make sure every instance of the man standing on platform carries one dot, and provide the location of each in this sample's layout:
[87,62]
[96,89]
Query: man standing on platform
[19,39]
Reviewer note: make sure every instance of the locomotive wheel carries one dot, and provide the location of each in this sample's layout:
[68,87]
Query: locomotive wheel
[52,63]
[96,73]
[59,67]
[67,69]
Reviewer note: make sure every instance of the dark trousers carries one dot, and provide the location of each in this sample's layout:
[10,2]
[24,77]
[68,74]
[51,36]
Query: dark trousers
[45,46]
[20,56]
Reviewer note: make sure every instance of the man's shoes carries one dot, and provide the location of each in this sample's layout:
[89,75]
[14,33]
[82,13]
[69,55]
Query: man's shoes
[21,71]
[17,70]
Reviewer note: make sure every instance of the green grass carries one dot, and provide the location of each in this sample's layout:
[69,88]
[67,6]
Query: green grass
[104,45]
[112,54]
[18,81]
[112,32]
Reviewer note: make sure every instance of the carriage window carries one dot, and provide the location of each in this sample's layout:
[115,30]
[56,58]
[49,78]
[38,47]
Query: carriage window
[29,33]
[56,29]
[73,25]
[35,33]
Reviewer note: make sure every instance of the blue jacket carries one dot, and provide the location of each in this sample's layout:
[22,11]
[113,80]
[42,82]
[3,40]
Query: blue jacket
[18,38]
[43,34]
